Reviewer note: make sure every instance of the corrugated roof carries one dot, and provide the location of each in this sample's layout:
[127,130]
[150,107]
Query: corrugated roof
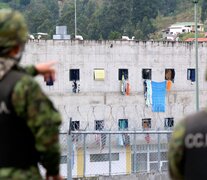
[199,40]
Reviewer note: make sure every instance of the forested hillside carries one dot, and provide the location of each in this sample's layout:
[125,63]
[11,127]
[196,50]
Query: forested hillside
[107,19]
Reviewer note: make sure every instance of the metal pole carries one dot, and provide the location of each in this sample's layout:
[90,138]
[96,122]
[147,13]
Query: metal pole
[158,151]
[84,155]
[196,55]
[69,171]
[75,20]
[109,154]
[148,157]
[135,155]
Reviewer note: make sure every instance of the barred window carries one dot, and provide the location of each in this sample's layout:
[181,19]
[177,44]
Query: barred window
[123,72]
[123,124]
[74,75]
[75,125]
[146,74]
[104,157]
[146,123]
[99,125]
[170,74]
[169,122]
[191,74]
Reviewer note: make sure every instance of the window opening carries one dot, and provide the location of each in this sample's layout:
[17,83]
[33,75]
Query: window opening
[169,122]
[75,125]
[170,74]
[74,74]
[99,74]
[123,124]
[146,123]
[146,73]
[191,74]
[99,125]
[123,72]
[104,157]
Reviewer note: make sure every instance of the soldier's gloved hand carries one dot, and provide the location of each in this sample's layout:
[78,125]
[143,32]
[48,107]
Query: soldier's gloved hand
[57,177]
[47,70]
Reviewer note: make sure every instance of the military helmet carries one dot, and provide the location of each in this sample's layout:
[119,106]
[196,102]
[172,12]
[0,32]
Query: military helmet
[13,30]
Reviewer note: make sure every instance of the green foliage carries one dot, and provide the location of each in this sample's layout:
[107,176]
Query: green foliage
[204,11]
[114,35]
[106,19]
[3,5]
[41,16]
[184,36]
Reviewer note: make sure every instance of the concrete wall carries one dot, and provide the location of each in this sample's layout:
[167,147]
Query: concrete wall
[102,99]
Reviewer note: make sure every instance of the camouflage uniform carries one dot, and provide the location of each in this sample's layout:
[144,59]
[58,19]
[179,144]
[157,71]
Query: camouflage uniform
[176,152]
[40,115]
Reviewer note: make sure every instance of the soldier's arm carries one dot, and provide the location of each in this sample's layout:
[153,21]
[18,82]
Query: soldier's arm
[30,70]
[45,69]
[33,105]
[176,152]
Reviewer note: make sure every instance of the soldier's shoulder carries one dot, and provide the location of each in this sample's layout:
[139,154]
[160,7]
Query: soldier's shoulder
[25,82]
[179,129]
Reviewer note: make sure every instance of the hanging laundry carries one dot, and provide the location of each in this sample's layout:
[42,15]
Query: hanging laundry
[145,89]
[103,141]
[97,139]
[147,138]
[169,85]
[120,140]
[126,139]
[100,140]
[123,85]
[127,88]
[148,92]
[158,96]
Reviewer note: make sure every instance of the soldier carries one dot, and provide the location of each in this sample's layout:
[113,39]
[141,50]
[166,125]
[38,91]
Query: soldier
[188,148]
[29,123]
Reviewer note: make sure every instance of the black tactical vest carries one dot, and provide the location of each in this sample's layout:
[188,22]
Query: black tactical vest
[195,154]
[17,144]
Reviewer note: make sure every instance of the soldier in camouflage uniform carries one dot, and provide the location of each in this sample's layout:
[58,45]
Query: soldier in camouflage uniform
[188,148]
[29,123]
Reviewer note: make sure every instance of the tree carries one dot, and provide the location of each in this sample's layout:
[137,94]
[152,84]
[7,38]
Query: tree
[204,11]
[41,16]
[143,8]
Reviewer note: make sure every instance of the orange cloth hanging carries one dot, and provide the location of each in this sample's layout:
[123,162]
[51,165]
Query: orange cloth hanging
[127,88]
[169,84]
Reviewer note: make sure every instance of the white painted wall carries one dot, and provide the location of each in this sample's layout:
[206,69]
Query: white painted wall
[102,99]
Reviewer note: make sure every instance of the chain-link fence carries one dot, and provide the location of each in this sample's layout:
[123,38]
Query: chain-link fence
[100,153]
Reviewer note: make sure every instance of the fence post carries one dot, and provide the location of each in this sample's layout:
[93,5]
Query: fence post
[135,155]
[69,143]
[158,151]
[84,155]
[148,158]
[109,154]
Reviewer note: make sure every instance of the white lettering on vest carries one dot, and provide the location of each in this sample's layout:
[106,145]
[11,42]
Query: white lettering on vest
[197,140]
[3,108]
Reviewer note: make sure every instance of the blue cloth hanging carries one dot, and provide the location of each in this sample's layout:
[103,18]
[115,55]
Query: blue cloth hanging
[158,96]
